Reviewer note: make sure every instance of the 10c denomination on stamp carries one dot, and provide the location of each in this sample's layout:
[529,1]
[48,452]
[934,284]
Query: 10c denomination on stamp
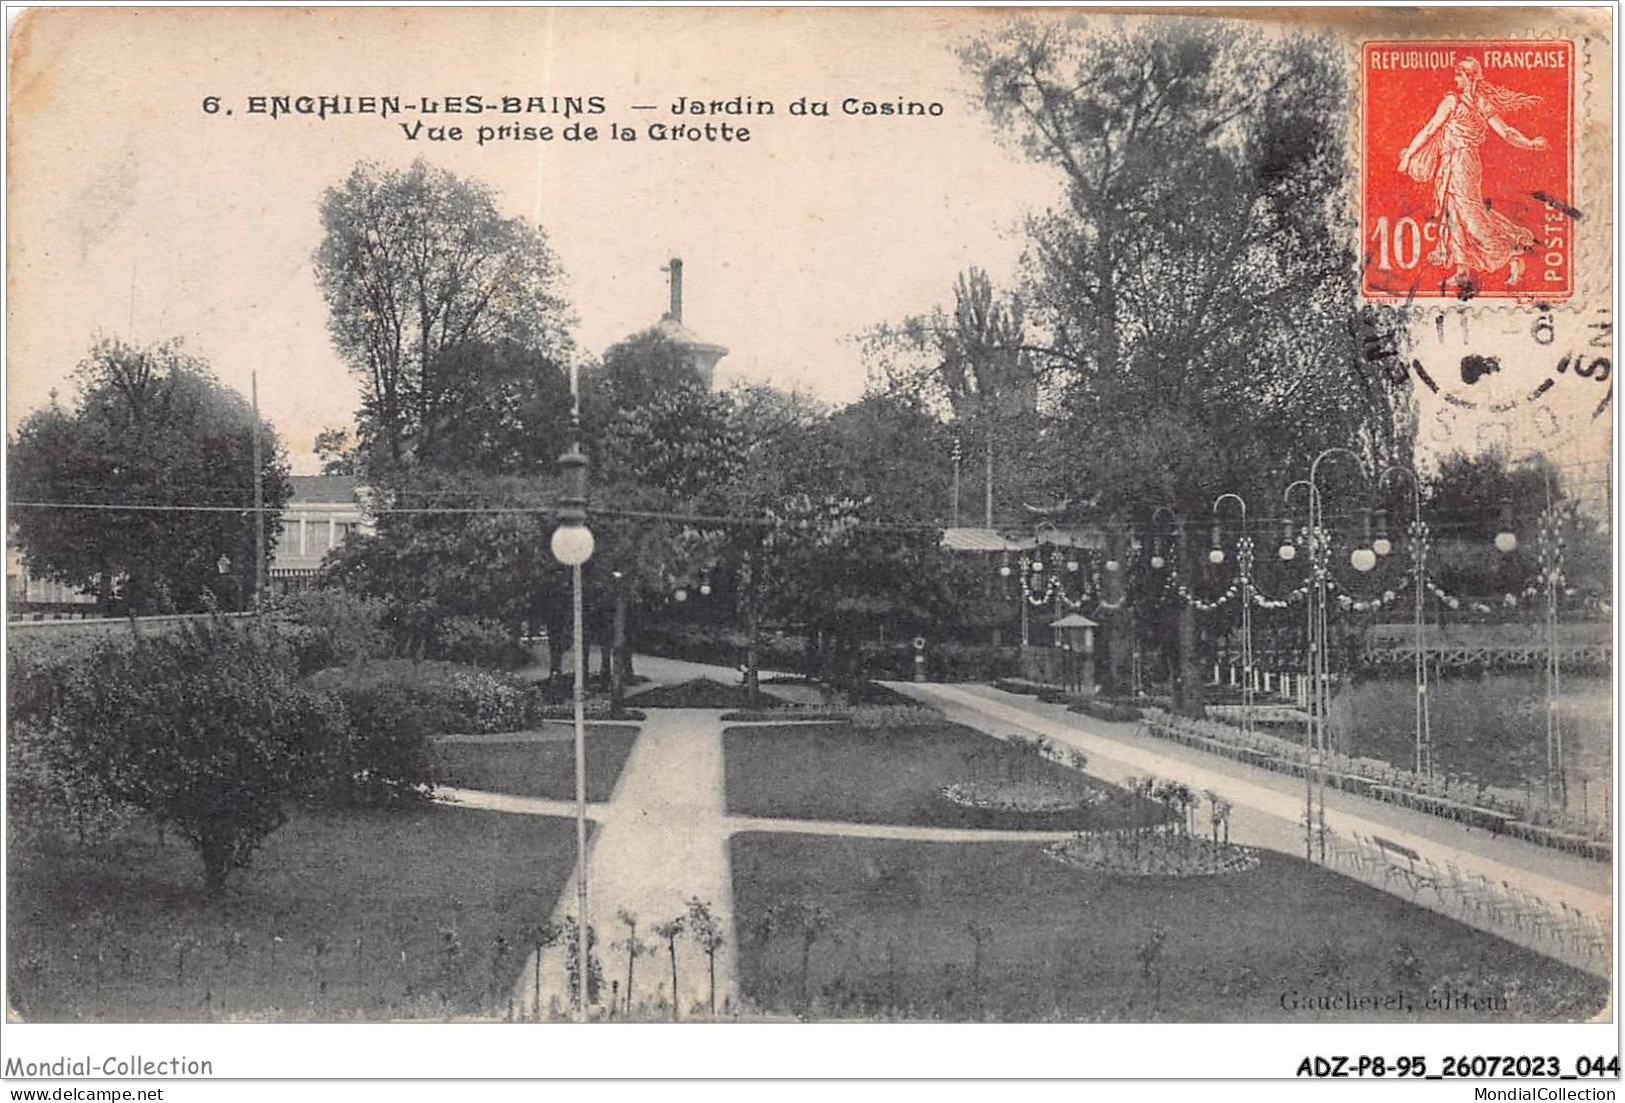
[1467,169]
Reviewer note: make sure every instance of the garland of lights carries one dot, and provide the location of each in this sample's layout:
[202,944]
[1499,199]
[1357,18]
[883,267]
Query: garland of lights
[1551,554]
[1054,589]
[1551,543]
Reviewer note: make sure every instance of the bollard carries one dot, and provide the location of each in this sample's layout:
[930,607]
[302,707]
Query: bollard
[919,658]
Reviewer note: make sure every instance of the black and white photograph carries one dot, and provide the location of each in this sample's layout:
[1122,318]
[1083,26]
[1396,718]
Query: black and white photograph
[699,517]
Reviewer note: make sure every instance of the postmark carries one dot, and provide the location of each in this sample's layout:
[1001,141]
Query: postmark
[1467,168]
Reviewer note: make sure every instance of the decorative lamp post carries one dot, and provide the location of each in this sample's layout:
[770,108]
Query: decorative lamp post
[1311,700]
[1244,567]
[572,546]
[1419,551]
[1551,544]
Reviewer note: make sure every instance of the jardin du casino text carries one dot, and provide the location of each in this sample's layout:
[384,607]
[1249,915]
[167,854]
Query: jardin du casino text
[569,109]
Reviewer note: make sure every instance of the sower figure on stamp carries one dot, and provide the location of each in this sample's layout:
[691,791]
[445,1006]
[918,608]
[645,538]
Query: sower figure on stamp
[1472,236]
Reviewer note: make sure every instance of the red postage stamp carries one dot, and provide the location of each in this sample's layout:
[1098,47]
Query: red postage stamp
[1467,173]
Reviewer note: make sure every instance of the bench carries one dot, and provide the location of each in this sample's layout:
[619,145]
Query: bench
[1407,864]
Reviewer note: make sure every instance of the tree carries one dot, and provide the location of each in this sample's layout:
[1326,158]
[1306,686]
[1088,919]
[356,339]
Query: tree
[979,934]
[1194,286]
[707,931]
[635,948]
[458,547]
[150,427]
[572,952]
[782,442]
[540,936]
[637,371]
[668,932]
[424,276]
[976,363]
[845,573]
[503,409]
[1471,499]
[337,451]
[812,921]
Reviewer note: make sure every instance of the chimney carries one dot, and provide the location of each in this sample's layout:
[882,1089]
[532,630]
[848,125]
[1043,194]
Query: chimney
[676,269]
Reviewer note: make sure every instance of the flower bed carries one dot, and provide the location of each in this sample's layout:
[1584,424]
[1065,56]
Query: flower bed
[1152,854]
[1027,795]
[1105,710]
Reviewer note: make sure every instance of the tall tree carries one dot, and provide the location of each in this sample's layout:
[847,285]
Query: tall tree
[459,546]
[337,450]
[1196,286]
[1472,498]
[150,427]
[660,442]
[420,269]
[977,364]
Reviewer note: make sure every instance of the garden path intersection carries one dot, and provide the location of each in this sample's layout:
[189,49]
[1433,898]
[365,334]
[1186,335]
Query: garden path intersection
[662,837]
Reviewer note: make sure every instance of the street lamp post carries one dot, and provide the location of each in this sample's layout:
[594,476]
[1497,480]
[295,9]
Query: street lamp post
[1244,566]
[1424,724]
[573,545]
[1310,701]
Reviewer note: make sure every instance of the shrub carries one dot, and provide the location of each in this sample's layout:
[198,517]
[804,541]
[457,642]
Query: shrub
[964,662]
[331,626]
[441,697]
[203,728]
[49,790]
[477,641]
[385,757]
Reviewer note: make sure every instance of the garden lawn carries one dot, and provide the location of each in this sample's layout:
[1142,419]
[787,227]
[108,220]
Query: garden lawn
[896,775]
[535,764]
[410,913]
[1061,943]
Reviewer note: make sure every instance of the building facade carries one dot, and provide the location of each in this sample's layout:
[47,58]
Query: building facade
[323,512]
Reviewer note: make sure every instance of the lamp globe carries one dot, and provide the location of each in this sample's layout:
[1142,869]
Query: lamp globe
[572,544]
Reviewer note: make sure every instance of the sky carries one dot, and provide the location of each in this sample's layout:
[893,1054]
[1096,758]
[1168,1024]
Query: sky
[149,218]
[137,214]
